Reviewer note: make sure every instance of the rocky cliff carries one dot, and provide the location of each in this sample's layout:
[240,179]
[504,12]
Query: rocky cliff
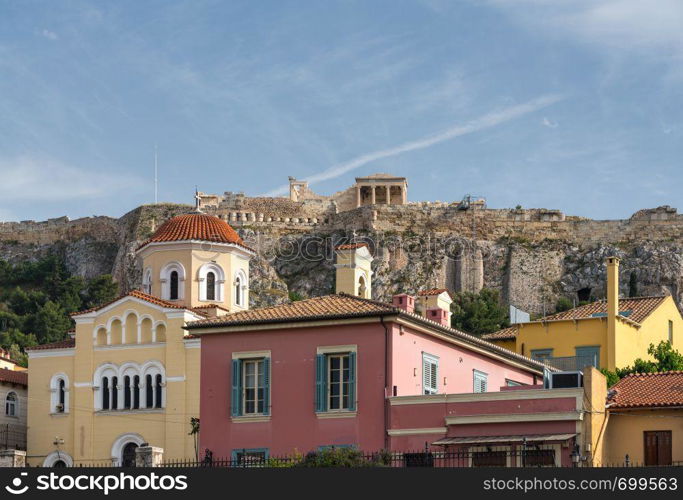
[532,256]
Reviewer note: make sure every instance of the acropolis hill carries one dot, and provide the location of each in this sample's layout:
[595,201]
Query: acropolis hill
[533,256]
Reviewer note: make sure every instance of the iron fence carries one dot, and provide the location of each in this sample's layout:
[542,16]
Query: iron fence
[12,437]
[571,363]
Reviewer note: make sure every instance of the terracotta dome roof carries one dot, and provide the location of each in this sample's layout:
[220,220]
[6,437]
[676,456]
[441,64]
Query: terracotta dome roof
[195,226]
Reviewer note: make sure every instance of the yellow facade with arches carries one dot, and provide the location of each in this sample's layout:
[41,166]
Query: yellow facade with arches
[130,373]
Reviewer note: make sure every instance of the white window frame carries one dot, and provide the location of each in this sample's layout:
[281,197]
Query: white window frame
[54,393]
[258,369]
[13,404]
[480,377]
[165,279]
[241,281]
[431,361]
[147,281]
[202,273]
[343,385]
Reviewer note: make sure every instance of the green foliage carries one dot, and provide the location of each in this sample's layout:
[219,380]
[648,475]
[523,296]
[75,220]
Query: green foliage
[341,457]
[36,299]
[666,358]
[563,304]
[295,296]
[478,313]
[99,291]
[633,285]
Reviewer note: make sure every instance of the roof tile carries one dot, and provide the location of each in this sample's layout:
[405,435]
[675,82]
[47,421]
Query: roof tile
[14,377]
[645,390]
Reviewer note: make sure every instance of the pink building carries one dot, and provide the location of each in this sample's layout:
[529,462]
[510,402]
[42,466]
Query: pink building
[340,370]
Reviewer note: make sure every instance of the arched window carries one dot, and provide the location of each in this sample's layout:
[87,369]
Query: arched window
[136,392]
[174,285]
[147,282]
[126,392]
[59,393]
[361,286]
[158,388]
[238,291]
[61,396]
[11,405]
[149,392]
[210,286]
[114,393]
[105,393]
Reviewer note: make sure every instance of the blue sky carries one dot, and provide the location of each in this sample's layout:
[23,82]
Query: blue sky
[576,105]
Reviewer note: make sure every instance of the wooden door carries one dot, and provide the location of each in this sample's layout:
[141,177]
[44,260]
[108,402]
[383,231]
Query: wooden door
[657,447]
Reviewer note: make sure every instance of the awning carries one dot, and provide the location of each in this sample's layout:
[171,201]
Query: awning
[535,438]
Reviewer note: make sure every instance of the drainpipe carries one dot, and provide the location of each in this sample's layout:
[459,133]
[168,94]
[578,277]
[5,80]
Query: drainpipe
[612,309]
[386,380]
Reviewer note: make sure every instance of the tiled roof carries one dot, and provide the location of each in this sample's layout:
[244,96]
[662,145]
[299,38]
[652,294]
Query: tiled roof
[344,306]
[433,291]
[645,390]
[62,344]
[639,308]
[326,307]
[350,246]
[509,333]
[14,377]
[138,295]
[195,226]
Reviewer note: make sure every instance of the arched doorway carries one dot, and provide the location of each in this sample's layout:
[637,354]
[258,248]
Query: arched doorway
[128,455]
[59,464]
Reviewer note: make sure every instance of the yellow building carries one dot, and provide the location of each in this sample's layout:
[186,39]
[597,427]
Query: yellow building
[130,373]
[607,334]
[644,420]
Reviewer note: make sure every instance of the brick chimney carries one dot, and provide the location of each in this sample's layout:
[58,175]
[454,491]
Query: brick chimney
[439,315]
[404,301]
[612,309]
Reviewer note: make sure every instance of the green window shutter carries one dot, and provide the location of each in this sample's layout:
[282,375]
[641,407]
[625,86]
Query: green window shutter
[266,386]
[320,383]
[352,381]
[236,401]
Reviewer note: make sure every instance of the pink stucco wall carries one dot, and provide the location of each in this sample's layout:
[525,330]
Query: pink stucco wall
[456,365]
[293,424]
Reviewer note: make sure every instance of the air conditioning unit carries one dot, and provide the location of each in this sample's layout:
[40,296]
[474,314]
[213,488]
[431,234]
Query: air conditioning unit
[566,380]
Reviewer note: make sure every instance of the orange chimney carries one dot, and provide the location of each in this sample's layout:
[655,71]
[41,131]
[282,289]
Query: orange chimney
[404,301]
[439,315]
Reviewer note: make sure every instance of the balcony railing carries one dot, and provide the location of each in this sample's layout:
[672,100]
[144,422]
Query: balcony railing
[571,363]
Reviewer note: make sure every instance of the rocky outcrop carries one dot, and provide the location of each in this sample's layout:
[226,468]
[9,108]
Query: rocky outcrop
[532,256]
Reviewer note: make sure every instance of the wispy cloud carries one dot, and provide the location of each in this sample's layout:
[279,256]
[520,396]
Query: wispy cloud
[50,35]
[32,179]
[549,123]
[481,123]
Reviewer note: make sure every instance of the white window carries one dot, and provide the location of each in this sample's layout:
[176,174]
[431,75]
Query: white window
[339,377]
[172,279]
[430,374]
[11,405]
[59,393]
[147,281]
[240,289]
[211,278]
[480,381]
[130,386]
[253,390]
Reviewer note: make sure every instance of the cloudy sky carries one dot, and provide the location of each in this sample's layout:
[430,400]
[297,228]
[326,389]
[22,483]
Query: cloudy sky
[569,104]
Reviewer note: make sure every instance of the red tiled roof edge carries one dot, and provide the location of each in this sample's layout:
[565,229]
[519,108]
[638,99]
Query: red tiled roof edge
[14,377]
[61,344]
[136,294]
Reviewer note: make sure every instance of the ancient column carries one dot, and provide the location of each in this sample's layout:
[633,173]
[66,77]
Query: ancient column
[357,196]
[373,201]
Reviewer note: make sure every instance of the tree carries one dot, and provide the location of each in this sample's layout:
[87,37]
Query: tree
[633,285]
[50,323]
[666,358]
[100,290]
[563,304]
[478,313]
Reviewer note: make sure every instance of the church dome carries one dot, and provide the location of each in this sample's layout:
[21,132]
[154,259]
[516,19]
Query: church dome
[195,226]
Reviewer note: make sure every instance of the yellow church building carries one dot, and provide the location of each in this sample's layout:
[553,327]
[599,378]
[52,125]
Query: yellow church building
[130,373]
[610,334]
